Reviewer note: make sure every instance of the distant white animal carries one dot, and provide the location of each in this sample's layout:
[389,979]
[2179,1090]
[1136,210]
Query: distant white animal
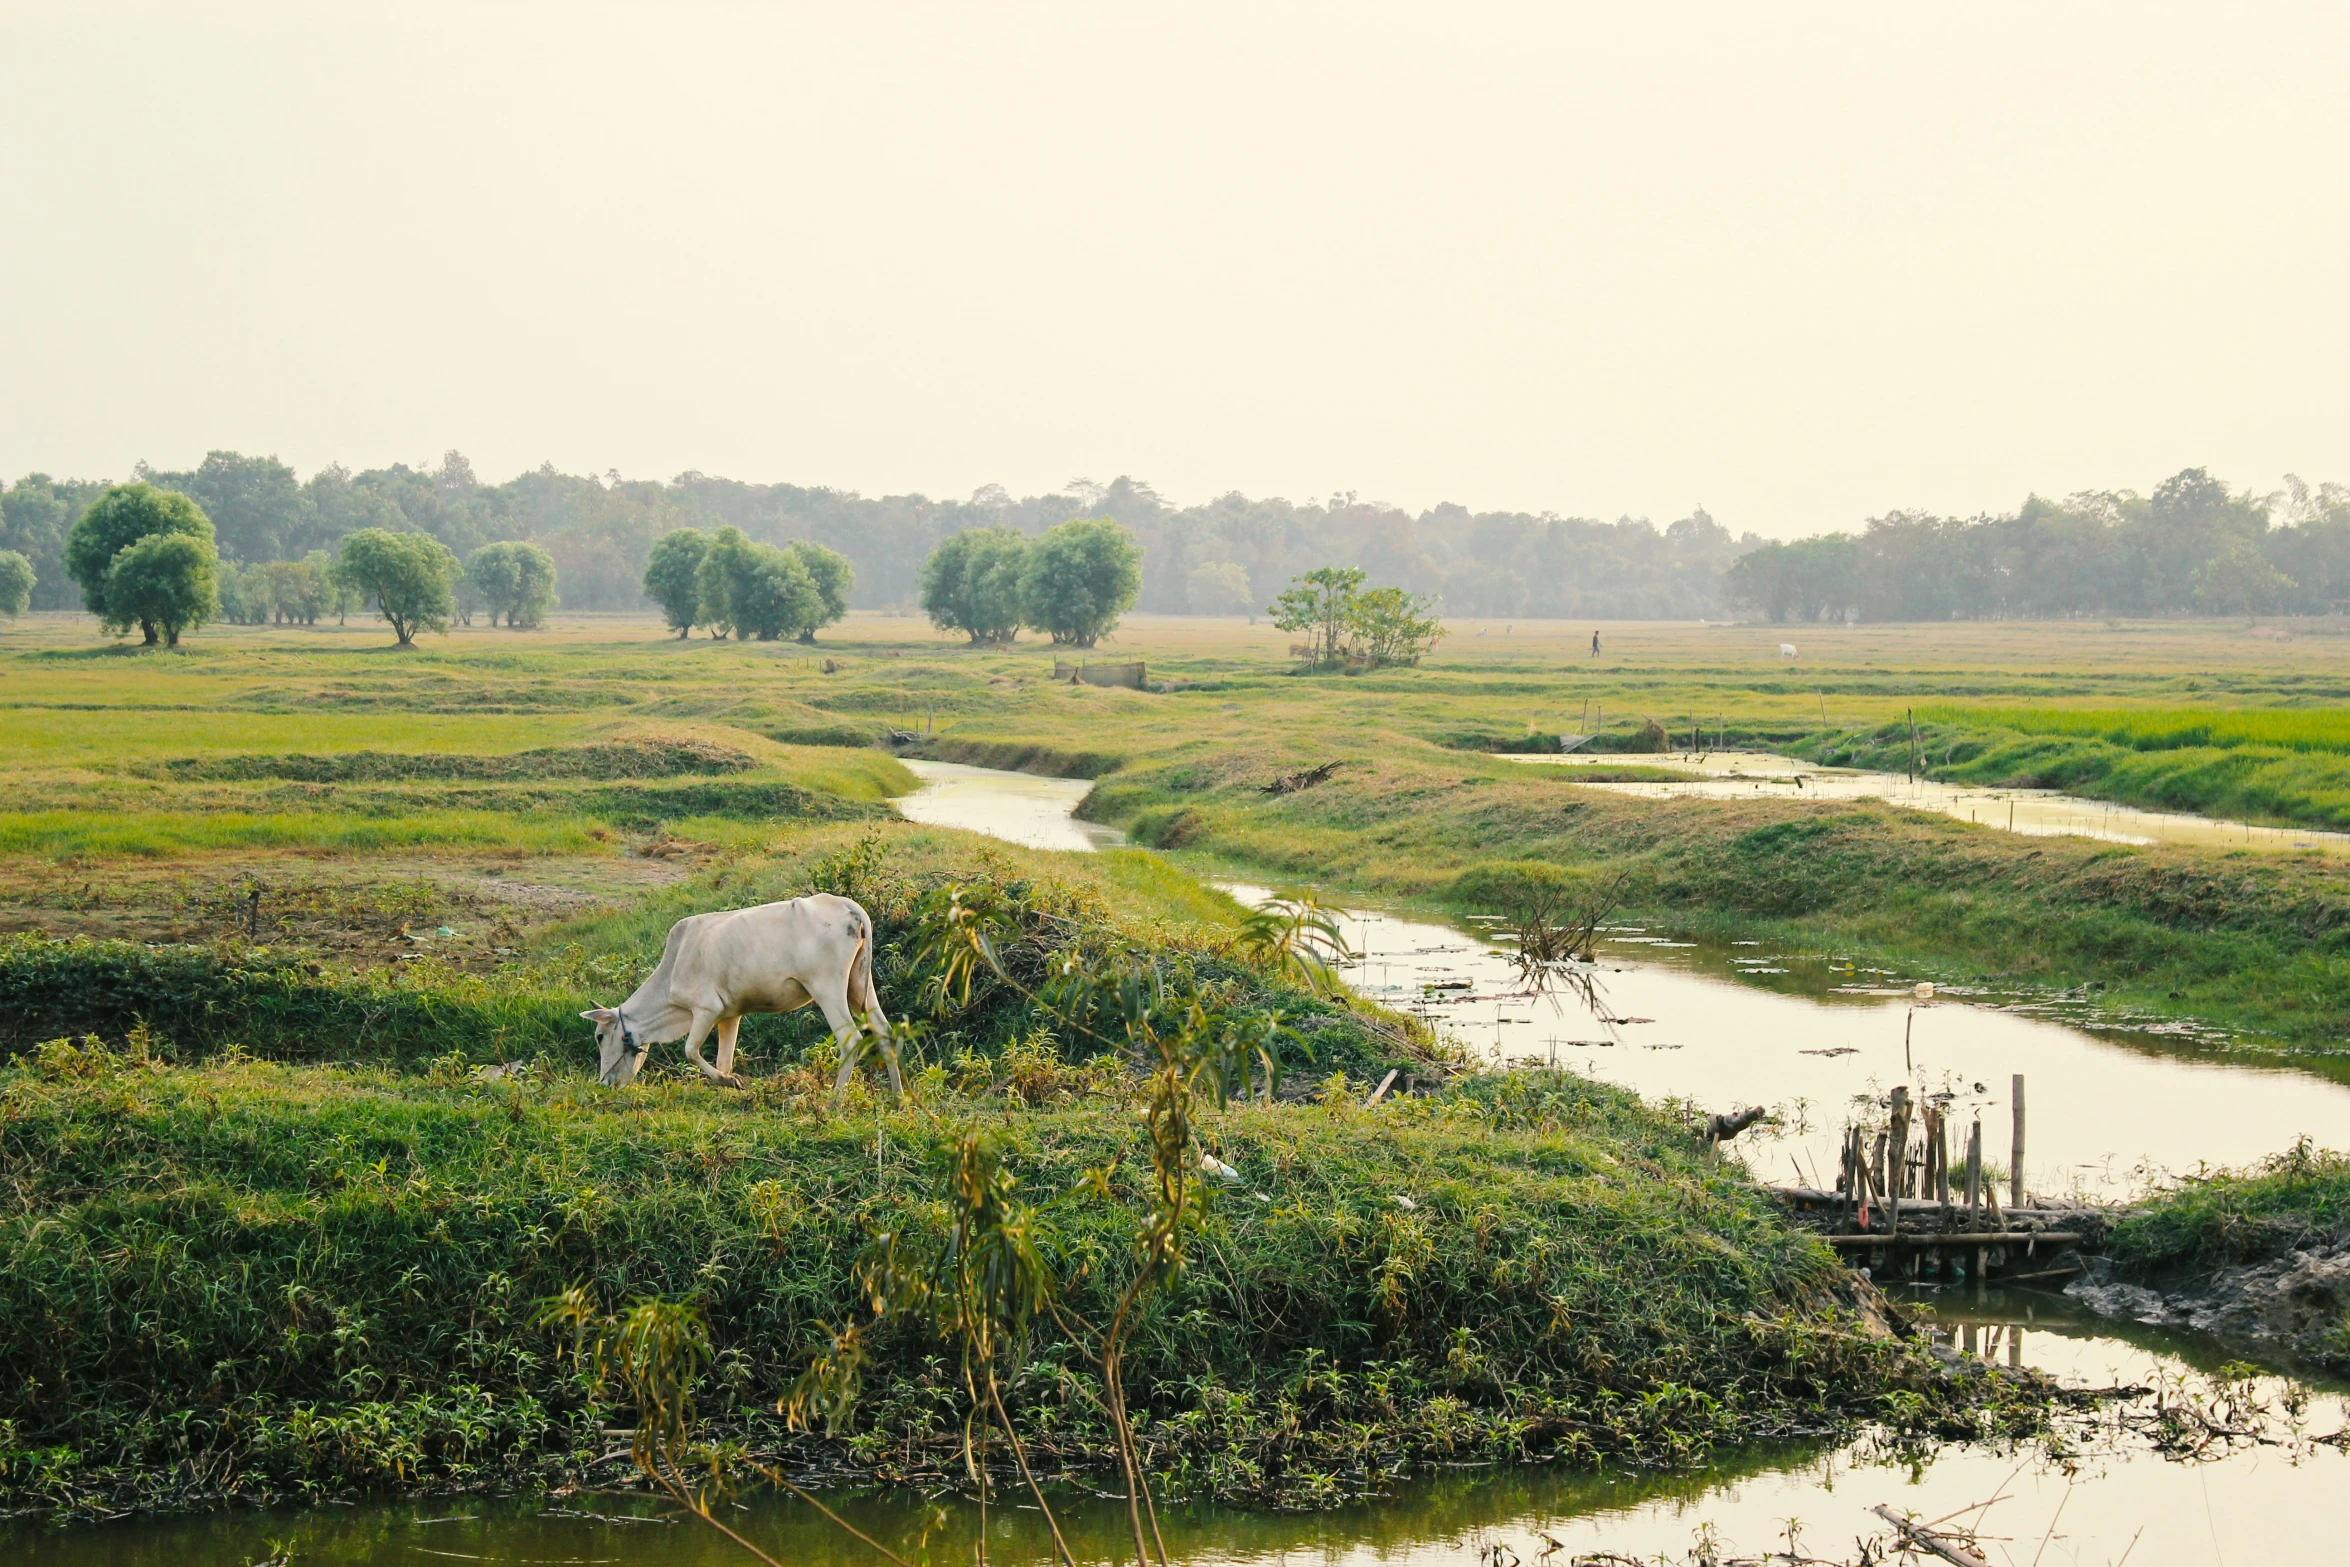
[715,968]
[1786,650]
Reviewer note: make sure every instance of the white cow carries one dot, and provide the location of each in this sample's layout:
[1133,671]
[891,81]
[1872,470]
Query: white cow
[776,957]
[1786,650]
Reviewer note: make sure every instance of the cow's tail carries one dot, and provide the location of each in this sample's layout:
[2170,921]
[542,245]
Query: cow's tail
[864,998]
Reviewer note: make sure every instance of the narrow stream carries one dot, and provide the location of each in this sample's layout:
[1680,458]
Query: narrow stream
[2113,1103]
[1739,775]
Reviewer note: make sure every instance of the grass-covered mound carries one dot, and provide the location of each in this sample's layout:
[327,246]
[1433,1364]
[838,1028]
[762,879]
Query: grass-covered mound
[248,1280]
[186,1003]
[2297,1198]
[2261,1253]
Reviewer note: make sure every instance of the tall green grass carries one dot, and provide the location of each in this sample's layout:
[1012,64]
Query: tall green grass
[2166,728]
[2282,768]
[161,834]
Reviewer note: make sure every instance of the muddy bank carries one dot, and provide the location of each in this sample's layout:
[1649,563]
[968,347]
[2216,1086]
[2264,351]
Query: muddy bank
[2297,1303]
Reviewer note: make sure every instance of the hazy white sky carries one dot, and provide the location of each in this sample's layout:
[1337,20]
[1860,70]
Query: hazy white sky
[1799,263]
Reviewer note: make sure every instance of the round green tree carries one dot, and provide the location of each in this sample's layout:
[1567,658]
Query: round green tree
[725,568]
[775,596]
[120,518]
[971,584]
[1079,578]
[165,583]
[834,578]
[16,583]
[410,578]
[513,579]
[670,577]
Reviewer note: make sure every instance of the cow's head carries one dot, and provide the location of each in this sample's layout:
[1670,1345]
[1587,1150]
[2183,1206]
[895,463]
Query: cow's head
[617,1054]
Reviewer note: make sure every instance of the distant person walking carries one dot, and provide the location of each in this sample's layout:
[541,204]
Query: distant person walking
[1595,644]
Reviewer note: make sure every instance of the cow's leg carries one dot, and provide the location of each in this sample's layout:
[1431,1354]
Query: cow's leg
[834,999]
[703,1023]
[728,1027]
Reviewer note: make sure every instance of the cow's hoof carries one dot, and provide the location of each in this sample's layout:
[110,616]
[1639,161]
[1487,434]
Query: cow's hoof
[731,1080]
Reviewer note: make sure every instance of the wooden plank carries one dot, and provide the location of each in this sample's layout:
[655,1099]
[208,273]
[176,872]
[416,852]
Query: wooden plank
[1971,1238]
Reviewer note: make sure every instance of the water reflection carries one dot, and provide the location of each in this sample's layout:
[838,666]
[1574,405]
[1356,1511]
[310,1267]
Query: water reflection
[1020,808]
[2115,1104]
[2110,1111]
[2039,813]
[2089,1490]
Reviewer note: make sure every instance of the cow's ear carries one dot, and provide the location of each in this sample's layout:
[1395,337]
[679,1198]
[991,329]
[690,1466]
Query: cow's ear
[599,1014]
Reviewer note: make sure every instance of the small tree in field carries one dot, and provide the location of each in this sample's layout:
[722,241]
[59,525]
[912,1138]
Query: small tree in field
[670,579]
[1079,578]
[1376,626]
[515,580]
[971,584]
[833,577]
[409,577]
[167,582]
[1319,602]
[16,583]
[121,518]
[1391,626]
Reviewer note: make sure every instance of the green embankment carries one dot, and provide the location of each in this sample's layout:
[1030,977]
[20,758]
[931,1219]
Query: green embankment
[288,1004]
[248,1280]
[2253,941]
[2295,1198]
[2288,767]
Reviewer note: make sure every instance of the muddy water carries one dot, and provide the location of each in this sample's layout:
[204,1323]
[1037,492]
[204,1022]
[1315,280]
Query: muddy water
[2112,1103]
[2088,1495]
[2099,1493]
[1739,775]
[2109,1107]
[1021,808]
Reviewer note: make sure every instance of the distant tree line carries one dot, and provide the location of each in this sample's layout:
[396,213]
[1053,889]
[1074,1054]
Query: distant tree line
[1229,556]
[2191,548]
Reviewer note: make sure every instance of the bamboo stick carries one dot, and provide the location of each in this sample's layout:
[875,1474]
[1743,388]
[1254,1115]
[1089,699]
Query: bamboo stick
[2015,1165]
[1974,1173]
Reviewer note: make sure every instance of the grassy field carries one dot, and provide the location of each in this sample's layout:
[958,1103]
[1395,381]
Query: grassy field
[124,821]
[147,794]
[303,889]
